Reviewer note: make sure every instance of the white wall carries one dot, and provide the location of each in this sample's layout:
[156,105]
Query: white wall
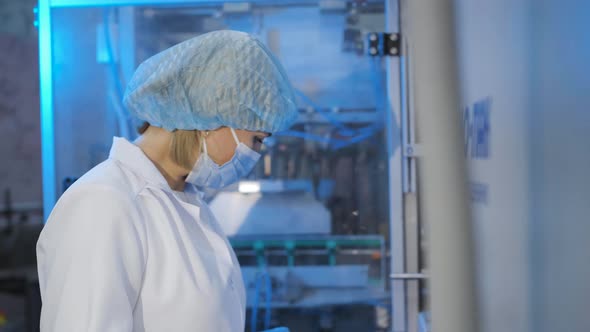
[560,145]
[494,49]
[532,58]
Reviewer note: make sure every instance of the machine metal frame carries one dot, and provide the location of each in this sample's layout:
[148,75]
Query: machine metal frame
[396,125]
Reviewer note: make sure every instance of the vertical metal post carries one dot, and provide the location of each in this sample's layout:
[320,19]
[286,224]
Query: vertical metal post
[410,195]
[443,167]
[46,99]
[394,139]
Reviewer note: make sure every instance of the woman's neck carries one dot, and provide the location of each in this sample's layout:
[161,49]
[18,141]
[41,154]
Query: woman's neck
[156,146]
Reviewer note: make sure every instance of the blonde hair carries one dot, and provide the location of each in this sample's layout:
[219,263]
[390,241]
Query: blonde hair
[185,147]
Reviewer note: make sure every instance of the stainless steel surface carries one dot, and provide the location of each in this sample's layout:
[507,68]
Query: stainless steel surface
[394,141]
[411,151]
[408,276]
[412,232]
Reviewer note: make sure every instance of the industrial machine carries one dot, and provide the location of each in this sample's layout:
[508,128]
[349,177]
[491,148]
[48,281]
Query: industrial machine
[284,240]
[318,226]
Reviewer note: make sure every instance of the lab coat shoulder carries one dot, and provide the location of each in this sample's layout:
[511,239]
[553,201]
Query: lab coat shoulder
[113,175]
[92,254]
[102,201]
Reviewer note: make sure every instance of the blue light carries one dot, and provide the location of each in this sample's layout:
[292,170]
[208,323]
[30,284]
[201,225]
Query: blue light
[46,99]
[100,3]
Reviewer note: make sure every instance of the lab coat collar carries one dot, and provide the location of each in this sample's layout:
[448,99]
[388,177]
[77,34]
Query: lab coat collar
[133,157]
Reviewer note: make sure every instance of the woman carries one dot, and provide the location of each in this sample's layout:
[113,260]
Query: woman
[131,246]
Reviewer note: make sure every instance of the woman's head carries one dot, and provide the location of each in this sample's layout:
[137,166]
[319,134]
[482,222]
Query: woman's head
[186,146]
[194,93]
[219,79]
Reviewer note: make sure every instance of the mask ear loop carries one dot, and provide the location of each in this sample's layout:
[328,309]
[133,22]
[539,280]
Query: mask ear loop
[233,132]
[205,143]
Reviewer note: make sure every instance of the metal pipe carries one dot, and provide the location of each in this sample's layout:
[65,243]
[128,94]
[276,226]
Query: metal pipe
[310,252]
[121,3]
[394,141]
[443,167]
[408,276]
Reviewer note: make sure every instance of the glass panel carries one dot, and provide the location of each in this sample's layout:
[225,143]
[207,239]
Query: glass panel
[84,120]
[313,216]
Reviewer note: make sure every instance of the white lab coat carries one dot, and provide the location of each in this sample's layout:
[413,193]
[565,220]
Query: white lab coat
[121,251]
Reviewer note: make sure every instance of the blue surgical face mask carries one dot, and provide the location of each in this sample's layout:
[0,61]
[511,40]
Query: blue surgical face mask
[207,174]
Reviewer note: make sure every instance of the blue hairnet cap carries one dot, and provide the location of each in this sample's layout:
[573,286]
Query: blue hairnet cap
[222,78]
